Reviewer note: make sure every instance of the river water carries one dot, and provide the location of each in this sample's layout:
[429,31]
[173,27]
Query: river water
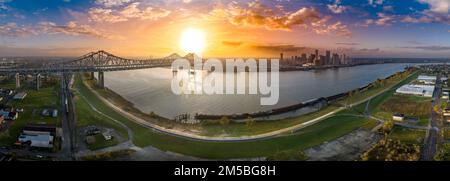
[150,89]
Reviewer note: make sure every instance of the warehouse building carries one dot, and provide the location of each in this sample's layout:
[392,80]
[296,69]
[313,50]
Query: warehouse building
[420,90]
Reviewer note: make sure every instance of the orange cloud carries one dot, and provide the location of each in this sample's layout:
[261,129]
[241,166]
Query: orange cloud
[72,28]
[256,14]
[131,11]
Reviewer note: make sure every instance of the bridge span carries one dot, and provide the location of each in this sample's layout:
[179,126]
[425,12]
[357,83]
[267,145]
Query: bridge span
[100,62]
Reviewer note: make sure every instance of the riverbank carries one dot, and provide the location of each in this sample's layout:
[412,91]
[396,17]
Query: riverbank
[328,129]
[124,105]
[303,107]
[238,131]
[284,68]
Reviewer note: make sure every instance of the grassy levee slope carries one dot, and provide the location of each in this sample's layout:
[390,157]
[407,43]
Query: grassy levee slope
[325,130]
[87,117]
[241,129]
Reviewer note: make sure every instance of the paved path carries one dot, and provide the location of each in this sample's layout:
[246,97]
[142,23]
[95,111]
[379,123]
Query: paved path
[147,153]
[230,139]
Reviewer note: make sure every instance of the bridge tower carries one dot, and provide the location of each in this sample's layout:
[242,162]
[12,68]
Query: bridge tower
[101,79]
[38,81]
[17,80]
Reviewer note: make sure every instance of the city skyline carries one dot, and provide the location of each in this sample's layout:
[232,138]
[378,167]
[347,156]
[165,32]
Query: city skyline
[367,28]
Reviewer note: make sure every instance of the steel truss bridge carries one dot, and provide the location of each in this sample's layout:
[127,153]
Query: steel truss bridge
[100,62]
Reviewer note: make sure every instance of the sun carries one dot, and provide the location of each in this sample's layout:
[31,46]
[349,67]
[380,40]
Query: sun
[193,41]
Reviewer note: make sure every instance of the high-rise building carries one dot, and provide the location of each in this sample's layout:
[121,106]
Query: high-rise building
[335,59]
[320,61]
[304,59]
[328,58]
[317,55]
[281,56]
[344,59]
[312,58]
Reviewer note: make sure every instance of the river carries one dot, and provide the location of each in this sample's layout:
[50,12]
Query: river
[150,89]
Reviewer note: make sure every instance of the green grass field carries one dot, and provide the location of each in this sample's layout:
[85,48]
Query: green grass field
[376,110]
[406,135]
[241,129]
[100,142]
[326,130]
[86,117]
[34,102]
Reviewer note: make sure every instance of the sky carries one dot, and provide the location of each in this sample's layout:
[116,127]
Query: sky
[244,28]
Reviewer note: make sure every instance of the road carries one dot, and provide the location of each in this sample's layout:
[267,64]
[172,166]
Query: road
[430,145]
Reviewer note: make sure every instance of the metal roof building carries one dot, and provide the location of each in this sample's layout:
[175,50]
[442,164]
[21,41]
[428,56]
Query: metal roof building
[421,90]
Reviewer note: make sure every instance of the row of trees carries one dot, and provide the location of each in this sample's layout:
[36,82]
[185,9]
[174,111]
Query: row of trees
[250,122]
[392,150]
[444,153]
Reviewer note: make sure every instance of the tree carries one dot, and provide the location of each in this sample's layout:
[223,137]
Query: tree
[250,122]
[387,126]
[224,121]
[436,108]
[444,105]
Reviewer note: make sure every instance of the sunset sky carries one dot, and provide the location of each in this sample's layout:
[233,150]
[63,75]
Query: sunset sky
[132,28]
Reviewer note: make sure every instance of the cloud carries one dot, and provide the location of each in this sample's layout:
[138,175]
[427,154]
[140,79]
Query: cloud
[367,50]
[438,6]
[279,48]
[383,20]
[361,52]
[71,28]
[3,5]
[375,2]
[427,17]
[104,15]
[74,29]
[27,51]
[336,8]
[415,42]
[256,14]
[388,8]
[347,43]
[337,28]
[112,3]
[149,13]
[232,43]
[437,13]
[131,11]
[13,30]
[423,19]
[430,48]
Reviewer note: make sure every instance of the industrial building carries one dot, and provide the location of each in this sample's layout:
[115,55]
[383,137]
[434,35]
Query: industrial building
[420,90]
[40,141]
[37,135]
[430,80]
